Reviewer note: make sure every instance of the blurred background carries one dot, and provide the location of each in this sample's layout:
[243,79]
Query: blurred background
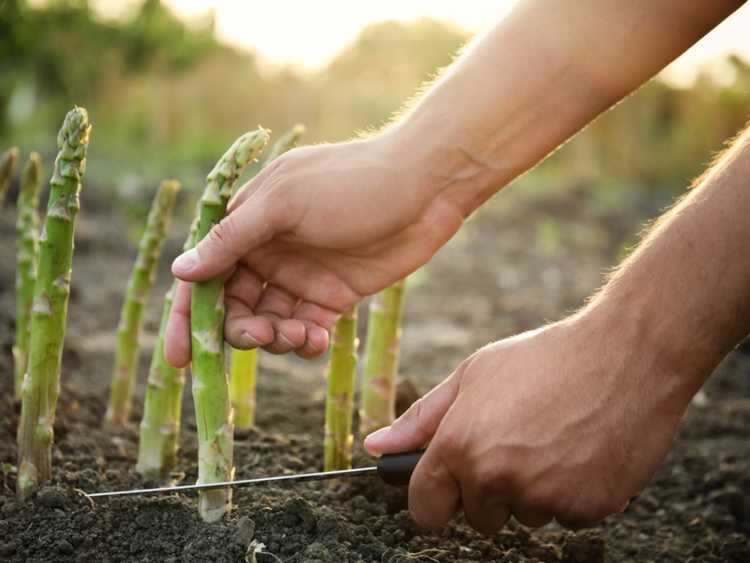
[169,84]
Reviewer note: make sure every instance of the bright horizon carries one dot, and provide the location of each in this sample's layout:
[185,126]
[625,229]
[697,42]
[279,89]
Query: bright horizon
[308,35]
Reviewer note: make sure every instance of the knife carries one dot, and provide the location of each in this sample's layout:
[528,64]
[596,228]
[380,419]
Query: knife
[393,469]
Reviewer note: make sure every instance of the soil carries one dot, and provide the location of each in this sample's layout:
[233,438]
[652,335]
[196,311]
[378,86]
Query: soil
[513,275]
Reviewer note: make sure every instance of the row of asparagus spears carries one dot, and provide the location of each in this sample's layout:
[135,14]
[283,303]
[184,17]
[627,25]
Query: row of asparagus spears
[43,274]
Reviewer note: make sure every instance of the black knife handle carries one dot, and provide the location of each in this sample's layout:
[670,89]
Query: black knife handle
[396,469]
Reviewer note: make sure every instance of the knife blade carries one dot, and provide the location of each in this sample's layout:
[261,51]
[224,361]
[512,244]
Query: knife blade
[393,469]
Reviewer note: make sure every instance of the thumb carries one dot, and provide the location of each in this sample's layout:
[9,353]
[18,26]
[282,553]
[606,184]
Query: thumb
[414,428]
[251,224]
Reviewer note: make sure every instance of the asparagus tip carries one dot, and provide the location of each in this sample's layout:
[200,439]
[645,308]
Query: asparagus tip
[33,169]
[248,146]
[75,129]
[171,186]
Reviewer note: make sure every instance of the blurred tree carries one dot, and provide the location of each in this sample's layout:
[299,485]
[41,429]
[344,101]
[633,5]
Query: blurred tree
[166,97]
[57,52]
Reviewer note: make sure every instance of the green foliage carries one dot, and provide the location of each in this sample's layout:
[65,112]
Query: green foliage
[61,53]
[167,97]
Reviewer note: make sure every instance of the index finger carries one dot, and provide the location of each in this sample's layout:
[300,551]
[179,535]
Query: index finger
[248,226]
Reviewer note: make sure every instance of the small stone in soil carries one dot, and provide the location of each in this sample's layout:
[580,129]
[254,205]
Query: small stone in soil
[51,497]
[245,531]
[64,547]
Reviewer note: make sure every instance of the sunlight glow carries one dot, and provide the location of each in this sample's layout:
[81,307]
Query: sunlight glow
[310,34]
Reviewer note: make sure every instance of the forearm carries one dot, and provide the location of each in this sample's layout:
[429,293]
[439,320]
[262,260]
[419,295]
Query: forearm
[537,78]
[683,297]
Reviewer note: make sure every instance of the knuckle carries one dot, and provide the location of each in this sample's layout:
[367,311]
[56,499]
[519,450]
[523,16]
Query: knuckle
[413,416]
[448,443]
[225,233]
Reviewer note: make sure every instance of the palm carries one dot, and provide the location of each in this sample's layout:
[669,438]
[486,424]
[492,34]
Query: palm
[341,222]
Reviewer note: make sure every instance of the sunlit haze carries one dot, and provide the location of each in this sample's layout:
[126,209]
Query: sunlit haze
[309,34]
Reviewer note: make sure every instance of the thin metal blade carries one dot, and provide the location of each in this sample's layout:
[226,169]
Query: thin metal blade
[357,472]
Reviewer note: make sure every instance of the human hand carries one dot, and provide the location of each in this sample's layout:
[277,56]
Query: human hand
[316,231]
[566,422]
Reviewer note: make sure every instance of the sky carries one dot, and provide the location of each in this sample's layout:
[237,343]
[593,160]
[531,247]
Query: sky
[308,34]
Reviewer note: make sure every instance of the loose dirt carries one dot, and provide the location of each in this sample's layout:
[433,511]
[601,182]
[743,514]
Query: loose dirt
[512,275]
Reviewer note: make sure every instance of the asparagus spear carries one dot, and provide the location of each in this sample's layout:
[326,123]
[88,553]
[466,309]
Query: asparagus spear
[340,393]
[124,372]
[242,378]
[244,363]
[27,229]
[49,311]
[213,412]
[7,169]
[284,143]
[160,425]
[381,359]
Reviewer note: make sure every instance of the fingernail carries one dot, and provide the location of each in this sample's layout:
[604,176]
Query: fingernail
[248,340]
[377,435]
[315,338]
[185,262]
[285,341]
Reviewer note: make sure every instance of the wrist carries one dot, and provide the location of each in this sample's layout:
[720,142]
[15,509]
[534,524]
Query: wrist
[442,162]
[666,357]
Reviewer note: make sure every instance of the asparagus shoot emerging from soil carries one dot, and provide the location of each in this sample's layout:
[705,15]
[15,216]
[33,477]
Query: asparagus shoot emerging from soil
[378,397]
[41,384]
[160,426]
[124,372]
[7,169]
[27,239]
[244,363]
[340,393]
[213,412]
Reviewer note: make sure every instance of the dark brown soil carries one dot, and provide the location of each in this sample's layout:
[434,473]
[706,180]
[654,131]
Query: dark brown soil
[512,275]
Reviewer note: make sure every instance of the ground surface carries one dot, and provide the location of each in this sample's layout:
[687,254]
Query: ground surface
[510,269]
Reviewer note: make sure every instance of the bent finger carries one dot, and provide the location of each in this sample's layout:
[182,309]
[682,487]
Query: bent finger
[290,334]
[316,341]
[177,334]
[244,329]
[434,493]
[318,322]
[486,514]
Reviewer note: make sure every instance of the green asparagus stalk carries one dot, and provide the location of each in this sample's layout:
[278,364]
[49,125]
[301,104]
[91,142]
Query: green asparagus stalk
[160,426]
[340,393]
[7,169]
[49,311]
[378,397]
[124,372]
[27,229]
[244,363]
[284,143]
[213,412]
[242,379]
